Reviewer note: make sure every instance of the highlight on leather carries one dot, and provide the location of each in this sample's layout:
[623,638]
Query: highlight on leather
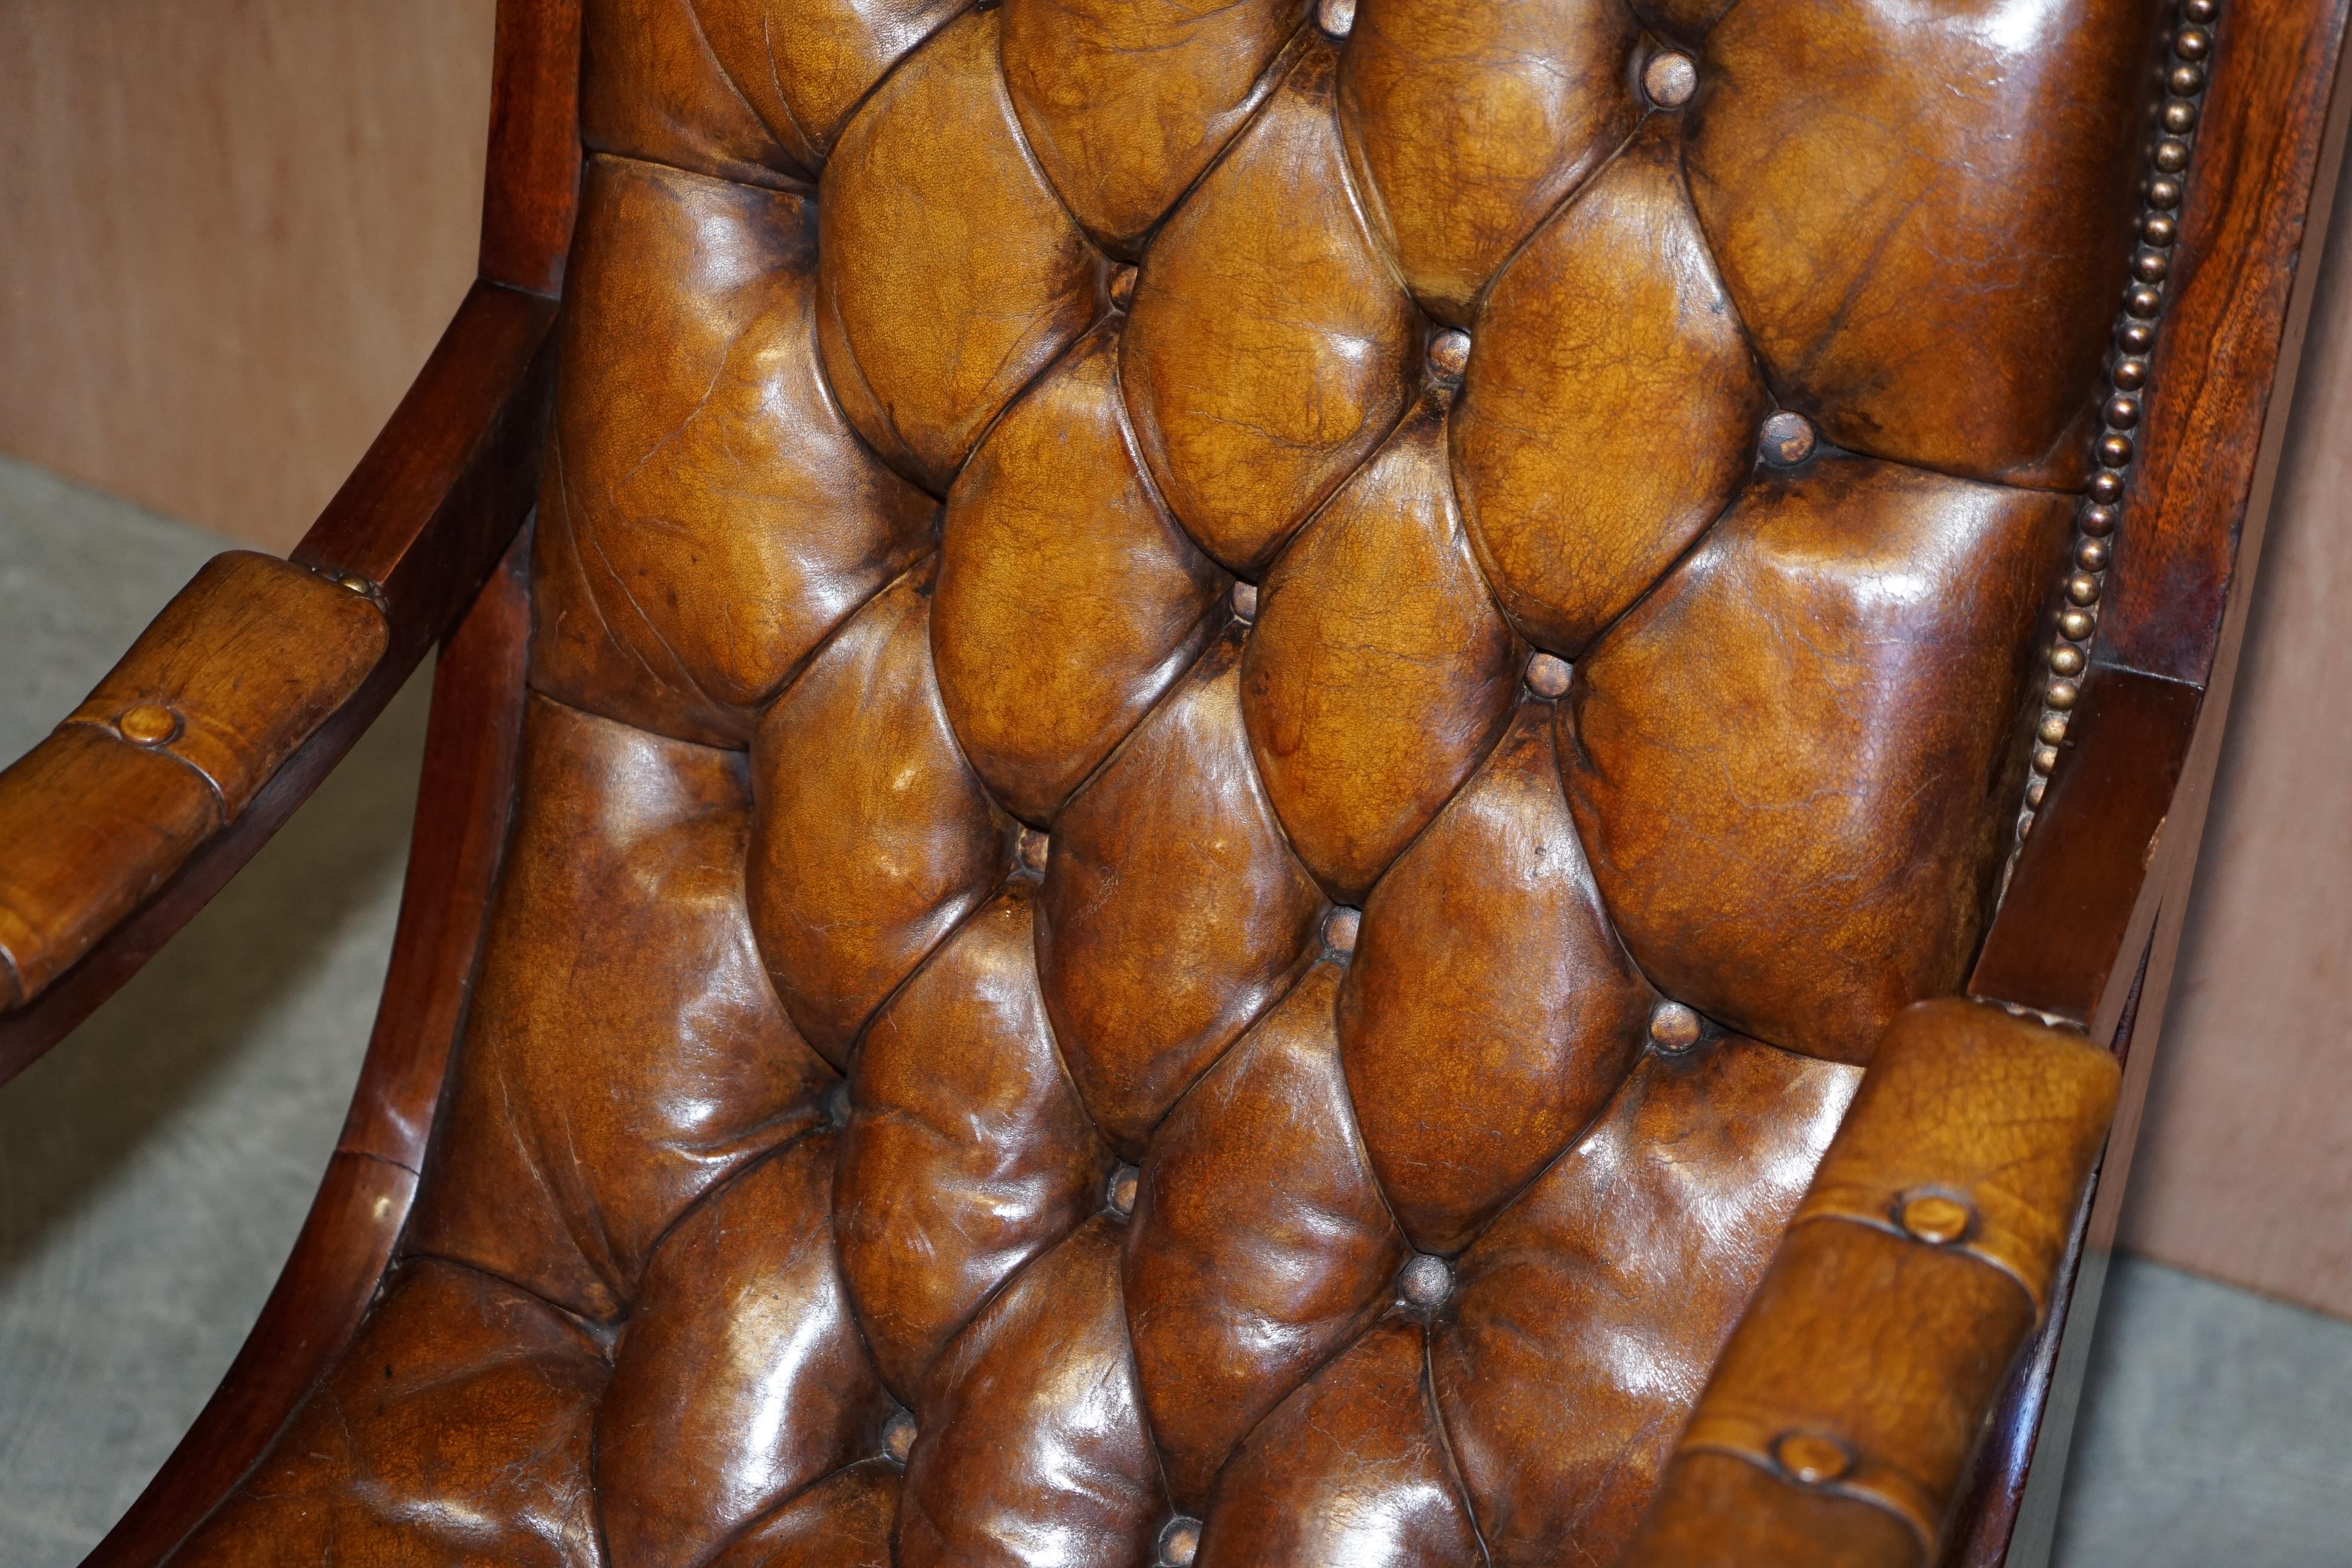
[239,669]
[1246,727]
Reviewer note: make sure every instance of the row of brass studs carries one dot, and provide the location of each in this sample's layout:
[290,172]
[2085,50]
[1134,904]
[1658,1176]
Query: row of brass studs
[2151,265]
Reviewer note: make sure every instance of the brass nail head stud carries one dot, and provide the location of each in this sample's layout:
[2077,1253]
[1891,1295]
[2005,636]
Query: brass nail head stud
[1246,601]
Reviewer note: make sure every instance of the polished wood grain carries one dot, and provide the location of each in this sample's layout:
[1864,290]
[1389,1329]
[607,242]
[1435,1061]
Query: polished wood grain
[2075,901]
[530,188]
[2230,338]
[232,229]
[463,803]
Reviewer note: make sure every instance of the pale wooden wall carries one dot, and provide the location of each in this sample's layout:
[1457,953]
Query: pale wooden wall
[2244,1170]
[233,229]
[229,232]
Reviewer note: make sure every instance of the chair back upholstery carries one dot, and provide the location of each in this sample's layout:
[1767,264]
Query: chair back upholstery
[1242,722]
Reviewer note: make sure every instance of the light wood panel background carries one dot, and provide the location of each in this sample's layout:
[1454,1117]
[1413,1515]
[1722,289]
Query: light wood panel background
[2244,1170]
[229,232]
[233,229]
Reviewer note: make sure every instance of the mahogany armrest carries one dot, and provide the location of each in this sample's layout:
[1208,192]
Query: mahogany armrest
[238,670]
[256,680]
[1839,1423]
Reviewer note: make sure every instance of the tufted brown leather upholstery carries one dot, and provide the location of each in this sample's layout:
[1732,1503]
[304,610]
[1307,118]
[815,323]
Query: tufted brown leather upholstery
[1217,811]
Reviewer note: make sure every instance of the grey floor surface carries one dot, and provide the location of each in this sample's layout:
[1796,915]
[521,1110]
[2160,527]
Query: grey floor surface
[154,1169]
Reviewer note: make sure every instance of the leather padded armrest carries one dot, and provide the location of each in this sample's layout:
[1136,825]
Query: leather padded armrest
[239,669]
[1840,1420]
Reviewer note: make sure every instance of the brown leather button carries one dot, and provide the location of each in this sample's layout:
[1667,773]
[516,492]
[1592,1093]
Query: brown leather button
[1337,18]
[1339,928]
[1246,601]
[1670,80]
[1786,438]
[1937,1218]
[836,1102]
[1035,847]
[1449,353]
[1425,1280]
[149,725]
[1673,1027]
[1119,1193]
[1811,1459]
[898,1436]
[1548,677]
[1122,286]
[1180,1542]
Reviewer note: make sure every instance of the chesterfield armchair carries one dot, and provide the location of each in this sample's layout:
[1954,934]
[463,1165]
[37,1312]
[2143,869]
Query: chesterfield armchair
[1406,783]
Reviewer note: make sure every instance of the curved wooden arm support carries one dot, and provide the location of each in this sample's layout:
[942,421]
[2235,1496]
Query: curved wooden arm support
[257,680]
[1840,1421]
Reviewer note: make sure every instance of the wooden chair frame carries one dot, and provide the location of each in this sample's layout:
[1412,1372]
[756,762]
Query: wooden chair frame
[433,520]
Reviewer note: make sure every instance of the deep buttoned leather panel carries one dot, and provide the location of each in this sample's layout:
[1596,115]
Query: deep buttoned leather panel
[1208,841]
